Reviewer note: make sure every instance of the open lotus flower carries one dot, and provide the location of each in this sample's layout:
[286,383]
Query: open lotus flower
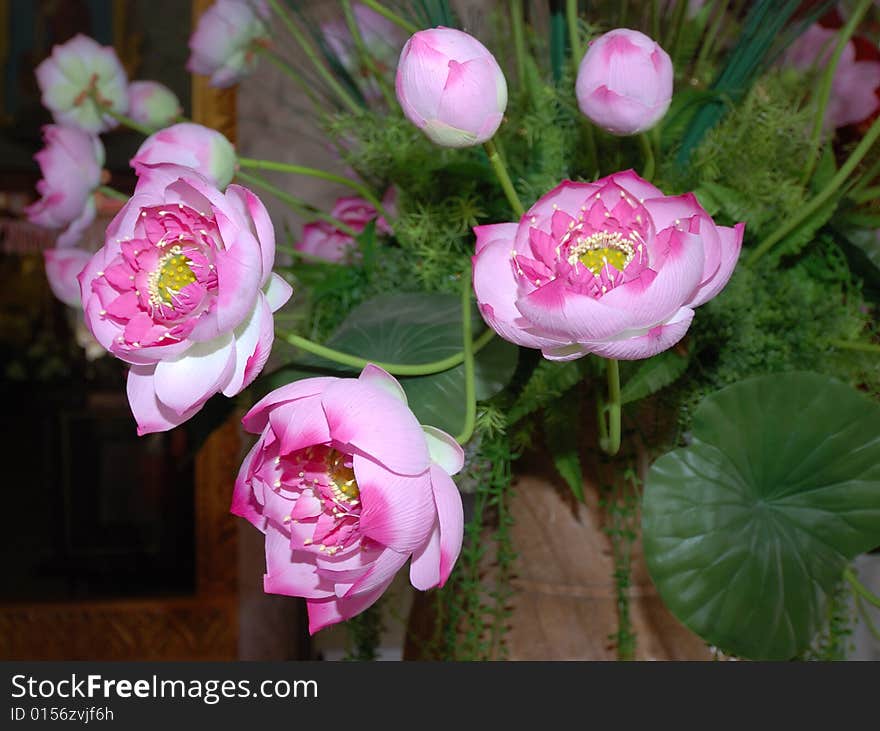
[855,82]
[183,290]
[347,487]
[195,146]
[224,42]
[152,104]
[71,165]
[80,80]
[612,267]
[323,240]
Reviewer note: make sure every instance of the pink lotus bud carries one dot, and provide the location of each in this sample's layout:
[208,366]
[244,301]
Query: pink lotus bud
[152,104]
[223,45]
[71,165]
[614,268]
[451,87]
[191,145]
[347,487]
[853,87]
[78,80]
[624,82]
[183,290]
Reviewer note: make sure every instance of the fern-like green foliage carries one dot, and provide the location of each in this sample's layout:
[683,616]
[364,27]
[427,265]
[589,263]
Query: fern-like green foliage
[748,168]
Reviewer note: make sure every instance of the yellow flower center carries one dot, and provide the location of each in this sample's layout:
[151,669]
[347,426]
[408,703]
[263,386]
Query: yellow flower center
[342,480]
[173,274]
[602,249]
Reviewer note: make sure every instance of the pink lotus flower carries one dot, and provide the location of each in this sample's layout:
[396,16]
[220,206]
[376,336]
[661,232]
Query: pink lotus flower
[451,87]
[612,267]
[347,486]
[323,240]
[624,82]
[152,104]
[79,80]
[224,42]
[382,40]
[853,97]
[71,165]
[200,148]
[183,290]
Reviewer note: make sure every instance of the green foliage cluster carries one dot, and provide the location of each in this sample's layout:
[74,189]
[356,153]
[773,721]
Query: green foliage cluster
[778,320]
[749,167]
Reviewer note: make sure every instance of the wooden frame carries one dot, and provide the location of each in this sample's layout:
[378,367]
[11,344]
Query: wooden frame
[203,626]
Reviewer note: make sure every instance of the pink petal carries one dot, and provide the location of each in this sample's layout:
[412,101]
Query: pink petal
[198,374]
[375,376]
[62,269]
[656,340]
[380,573]
[288,572]
[731,245]
[397,511]
[253,342]
[299,424]
[450,515]
[494,232]
[444,450]
[323,613]
[151,415]
[377,424]
[256,419]
[424,571]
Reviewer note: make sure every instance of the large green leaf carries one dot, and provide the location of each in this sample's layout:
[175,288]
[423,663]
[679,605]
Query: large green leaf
[412,329]
[747,529]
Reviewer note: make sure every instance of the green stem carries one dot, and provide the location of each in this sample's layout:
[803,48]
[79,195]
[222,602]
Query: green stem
[285,167]
[395,369]
[364,54]
[825,87]
[393,17]
[675,32]
[574,36]
[126,121]
[312,55]
[822,197]
[112,193]
[855,345]
[709,42]
[860,589]
[609,437]
[470,391]
[519,41]
[866,194]
[296,204]
[648,153]
[557,39]
[504,178]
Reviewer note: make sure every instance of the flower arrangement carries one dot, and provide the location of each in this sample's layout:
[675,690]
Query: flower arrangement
[503,274]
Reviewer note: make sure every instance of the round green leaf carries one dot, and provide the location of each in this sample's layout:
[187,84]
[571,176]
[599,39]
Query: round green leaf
[747,529]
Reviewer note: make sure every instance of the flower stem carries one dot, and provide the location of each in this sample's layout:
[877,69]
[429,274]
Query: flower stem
[296,204]
[648,153]
[112,193]
[856,345]
[365,56]
[127,121]
[470,394]
[285,167]
[504,178]
[860,589]
[395,369]
[825,85]
[574,36]
[393,17]
[822,197]
[609,433]
[519,41]
[312,55]
[709,41]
